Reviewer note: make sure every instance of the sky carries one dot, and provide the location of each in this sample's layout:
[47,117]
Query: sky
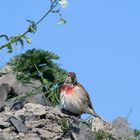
[100,43]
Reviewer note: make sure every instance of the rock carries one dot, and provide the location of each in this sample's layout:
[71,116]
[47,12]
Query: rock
[80,131]
[97,124]
[44,134]
[31,92]
[8,79]
[6,114]
[7,136]
[31,136]
[18,105]
[2,137]
[121,128]
[5,91]
[31,109]
[6,69]
[19,87]
[21,134]
[19,126]
[38,99]
[22,88]
[4,125]
[37,122]
[8,130]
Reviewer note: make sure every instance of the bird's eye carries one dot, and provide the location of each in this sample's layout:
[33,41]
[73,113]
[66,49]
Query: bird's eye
[68,75]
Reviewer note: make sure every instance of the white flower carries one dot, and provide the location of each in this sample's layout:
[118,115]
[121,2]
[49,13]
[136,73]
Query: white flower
[64,3]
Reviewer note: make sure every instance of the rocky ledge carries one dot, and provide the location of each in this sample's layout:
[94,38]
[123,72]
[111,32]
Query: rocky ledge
[37,122]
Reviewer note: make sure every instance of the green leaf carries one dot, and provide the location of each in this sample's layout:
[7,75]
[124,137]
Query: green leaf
[30,21]
[21,42]
[4,36]
[10,49]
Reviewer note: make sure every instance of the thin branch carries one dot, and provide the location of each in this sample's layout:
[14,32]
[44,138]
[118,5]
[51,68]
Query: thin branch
[53,5]
[13,40]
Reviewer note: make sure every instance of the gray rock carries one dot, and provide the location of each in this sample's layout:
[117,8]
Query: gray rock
[4,125]
[5,92]
[98,124]
[31,136]
[43,123]
[80,131]
[121,128]
[44,134]
[2,137]
[6,69]
[18,105]
[19,126]
[8,79]
[7,136]
[22,88]
[38,99]
[11,87]
[31,109]
[18,87]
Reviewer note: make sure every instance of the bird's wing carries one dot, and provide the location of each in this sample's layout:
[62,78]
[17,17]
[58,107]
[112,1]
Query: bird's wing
[86,100]
[84,95]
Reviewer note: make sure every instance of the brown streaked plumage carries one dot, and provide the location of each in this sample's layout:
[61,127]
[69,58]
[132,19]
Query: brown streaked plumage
[74,98]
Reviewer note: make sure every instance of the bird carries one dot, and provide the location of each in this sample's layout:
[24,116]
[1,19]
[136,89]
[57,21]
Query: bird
[74,98]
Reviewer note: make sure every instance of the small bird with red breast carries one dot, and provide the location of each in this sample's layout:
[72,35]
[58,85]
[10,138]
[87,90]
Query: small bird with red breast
[74,98]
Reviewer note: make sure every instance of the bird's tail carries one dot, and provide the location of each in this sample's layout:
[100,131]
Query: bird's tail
[92,112]
[103,120]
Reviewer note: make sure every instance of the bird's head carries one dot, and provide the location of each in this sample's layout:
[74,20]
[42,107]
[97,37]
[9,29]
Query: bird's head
[71,78]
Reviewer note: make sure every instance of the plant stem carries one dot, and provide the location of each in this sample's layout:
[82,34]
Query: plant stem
[11,41]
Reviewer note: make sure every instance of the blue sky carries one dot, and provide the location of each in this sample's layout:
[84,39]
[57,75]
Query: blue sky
[100,42]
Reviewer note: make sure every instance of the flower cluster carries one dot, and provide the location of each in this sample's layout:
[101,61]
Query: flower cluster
[64,3]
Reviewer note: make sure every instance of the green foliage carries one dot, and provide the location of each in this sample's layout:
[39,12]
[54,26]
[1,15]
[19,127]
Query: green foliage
[105,135]
[52,91]
[65,126]
[15,40]
[32,27]
[40,65]
[25,66]
[137,132]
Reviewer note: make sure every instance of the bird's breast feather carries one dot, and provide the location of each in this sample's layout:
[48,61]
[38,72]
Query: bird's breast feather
[66,89]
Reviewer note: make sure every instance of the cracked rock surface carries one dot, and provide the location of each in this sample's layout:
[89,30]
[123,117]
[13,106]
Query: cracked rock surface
[38,122]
